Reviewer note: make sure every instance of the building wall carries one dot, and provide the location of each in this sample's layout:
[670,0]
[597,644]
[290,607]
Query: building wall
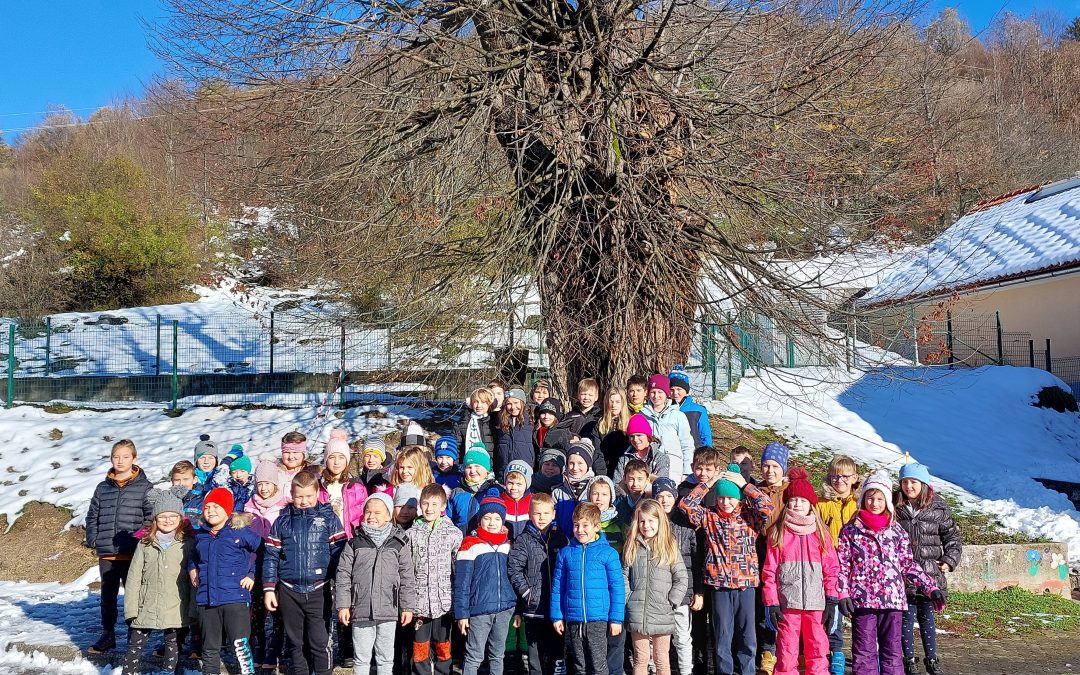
[1047,308]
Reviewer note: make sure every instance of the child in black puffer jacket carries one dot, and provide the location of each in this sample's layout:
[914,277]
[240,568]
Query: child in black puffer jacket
[935,545]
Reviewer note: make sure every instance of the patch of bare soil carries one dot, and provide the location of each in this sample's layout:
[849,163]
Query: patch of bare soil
[37,548]
[1031,654]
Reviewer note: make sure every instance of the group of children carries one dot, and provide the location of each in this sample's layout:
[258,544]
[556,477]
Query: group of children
[428,554]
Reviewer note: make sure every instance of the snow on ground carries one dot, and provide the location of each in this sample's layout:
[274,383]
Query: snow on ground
[60,621]
[228,330]
[974,428]
[64,471]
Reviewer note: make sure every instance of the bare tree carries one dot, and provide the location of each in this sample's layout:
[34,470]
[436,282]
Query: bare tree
[623,155]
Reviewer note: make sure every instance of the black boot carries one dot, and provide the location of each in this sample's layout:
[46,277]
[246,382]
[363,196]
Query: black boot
[933,667]
[105,644]
[911,666]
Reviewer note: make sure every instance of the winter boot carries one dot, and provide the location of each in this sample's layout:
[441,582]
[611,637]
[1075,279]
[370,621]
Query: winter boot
[837,663]
[768,663]
[105,643]
[911,666]
[933,667]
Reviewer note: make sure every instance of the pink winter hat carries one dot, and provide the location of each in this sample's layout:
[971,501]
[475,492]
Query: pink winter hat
[660,382]
[267,472]
[639,425]
[338,443]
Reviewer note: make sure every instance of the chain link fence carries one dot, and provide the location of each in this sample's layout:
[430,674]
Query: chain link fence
[280,359]
[287,360]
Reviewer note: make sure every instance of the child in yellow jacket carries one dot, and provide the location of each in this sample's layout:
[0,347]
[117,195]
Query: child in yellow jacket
[836,507]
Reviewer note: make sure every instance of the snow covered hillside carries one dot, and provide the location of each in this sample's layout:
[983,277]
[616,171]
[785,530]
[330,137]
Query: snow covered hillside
[975,428]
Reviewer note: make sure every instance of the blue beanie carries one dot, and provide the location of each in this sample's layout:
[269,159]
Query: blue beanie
[917,471]
[491,504]
[679,378]
[664,484]
[777,452]
[446,446]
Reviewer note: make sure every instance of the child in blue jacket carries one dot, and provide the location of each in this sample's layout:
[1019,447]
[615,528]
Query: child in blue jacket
[588,595]
[478,483]
[223,571]
[484,600]
[301,553]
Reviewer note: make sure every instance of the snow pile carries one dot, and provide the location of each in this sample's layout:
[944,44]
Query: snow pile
[975,428]
[65,471]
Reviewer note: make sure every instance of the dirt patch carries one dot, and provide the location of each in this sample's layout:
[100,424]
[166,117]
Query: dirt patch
[37,548]
[1037,653]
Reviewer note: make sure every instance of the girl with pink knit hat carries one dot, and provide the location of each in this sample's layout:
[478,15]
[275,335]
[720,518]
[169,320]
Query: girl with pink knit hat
[265,505]
[644,446]
[345,495]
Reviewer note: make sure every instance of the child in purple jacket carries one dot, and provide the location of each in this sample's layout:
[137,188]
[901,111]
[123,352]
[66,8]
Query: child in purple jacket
[875,557]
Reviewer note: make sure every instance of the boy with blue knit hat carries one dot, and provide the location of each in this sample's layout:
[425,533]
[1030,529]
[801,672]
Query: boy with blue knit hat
[732,568]
[447,473]
[484,600]
[696,414]
[774,468]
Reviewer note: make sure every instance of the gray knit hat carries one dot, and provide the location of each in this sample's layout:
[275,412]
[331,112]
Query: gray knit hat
[166,501]
[205,447]
[407,494]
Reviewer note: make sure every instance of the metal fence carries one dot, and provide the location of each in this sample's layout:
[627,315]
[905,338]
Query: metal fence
[280,359]
[287,360]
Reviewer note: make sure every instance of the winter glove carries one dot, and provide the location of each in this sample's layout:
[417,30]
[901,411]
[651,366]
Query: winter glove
[221,476]
[829,617]
[846,606]
[773,616]
[937,599]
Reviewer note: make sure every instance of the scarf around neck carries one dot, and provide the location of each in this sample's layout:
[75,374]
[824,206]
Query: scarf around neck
[493,538]
[378,535]
[800,524]
[472,434]
[166,539]
[577,485]
[875,523]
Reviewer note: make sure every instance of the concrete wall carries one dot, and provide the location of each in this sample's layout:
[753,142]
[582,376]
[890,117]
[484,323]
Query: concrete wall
[1048,308]
[1034,567]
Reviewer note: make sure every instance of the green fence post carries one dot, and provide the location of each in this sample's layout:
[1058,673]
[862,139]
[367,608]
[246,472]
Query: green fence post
[271,342]
[341,377]
[11,366]
[949,336]
[1001,347]
[790,352]
[157,361]
[712,357]
[175,358]
[48,345]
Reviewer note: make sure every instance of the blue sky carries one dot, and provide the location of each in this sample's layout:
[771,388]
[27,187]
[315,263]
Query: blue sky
[83,54]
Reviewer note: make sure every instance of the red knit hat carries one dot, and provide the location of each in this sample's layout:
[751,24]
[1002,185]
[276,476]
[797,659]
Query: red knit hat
[220,496]
[799,486]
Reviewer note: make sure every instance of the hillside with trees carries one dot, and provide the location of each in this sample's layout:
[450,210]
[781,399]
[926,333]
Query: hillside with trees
[615,164]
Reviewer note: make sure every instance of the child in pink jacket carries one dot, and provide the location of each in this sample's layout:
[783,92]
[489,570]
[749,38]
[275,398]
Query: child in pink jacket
[800,581]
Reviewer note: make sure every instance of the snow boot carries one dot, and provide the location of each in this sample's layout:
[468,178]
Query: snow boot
[911,666]
[837,663]
[105,643]
[768,663]
[933,667]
